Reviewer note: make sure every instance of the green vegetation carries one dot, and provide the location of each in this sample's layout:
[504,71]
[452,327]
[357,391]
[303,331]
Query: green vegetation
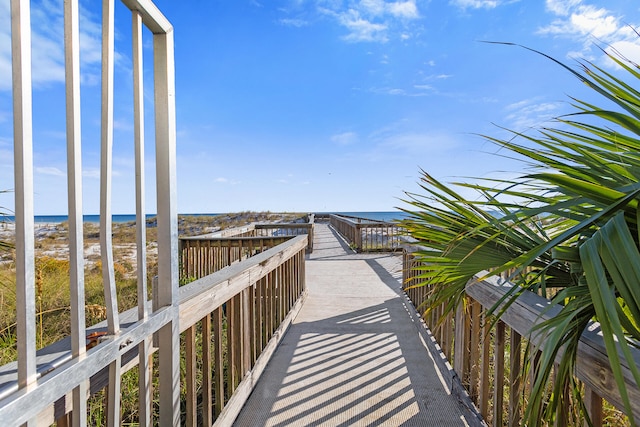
[52,272]
[52,287]
[568,229]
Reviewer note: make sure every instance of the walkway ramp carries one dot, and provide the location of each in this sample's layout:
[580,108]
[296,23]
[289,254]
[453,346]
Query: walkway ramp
[353,355]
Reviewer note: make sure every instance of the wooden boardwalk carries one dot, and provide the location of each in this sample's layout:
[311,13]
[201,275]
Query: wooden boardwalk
[353,355]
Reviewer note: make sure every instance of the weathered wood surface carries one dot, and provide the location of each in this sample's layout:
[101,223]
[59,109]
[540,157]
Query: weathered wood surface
[354,355]
[365,235]
[196,301]
[592,366]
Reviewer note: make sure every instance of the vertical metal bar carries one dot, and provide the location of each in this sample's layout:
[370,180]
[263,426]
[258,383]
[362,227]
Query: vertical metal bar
[165,123]
[74,190]
[144,348]
[138,129]
[106,246]
[23,176]
[106,249]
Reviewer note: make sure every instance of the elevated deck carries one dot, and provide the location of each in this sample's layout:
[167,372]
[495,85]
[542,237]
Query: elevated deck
[353,355]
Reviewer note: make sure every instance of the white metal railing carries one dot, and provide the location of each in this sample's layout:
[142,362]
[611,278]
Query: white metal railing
[31,400]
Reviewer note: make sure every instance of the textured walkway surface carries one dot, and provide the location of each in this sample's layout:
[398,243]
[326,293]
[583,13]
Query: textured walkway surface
[352,356]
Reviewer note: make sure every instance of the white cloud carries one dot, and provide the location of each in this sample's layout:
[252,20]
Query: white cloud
[373,7]
[361,30]
[93,173]
[373,20]
[561,7]
[476,4]
[223,180]
[584,21]
[5,45]
[122,124]
[627,49]
[433,77]
[53,171]
[405,9]
[420,90]
[298,23]
[586,24]
[530,113]
[393,143]
[346,138]
[47,44]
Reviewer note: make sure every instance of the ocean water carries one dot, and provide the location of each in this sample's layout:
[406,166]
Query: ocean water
[376,216]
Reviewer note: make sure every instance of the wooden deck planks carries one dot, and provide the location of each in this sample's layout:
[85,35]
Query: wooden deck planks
[352,356]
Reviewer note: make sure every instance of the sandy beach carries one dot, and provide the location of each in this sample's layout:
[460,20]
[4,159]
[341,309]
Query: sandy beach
[51,241]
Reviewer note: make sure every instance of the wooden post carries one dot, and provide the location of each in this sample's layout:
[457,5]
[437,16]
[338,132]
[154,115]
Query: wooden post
[483,398]
[593,403]
[191,401]
[207,397]
[498,381]
[460,345]
[218,361]
[515,358]
[474,351]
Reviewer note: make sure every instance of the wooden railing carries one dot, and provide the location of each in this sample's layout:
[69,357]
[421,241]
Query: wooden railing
[268,230]
[241,311]
[201,256]
[488,362]
[365,235]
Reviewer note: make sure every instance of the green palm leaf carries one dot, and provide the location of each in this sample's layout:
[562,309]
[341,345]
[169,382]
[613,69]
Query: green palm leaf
[571,222]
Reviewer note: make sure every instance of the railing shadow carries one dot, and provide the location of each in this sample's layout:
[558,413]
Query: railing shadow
[363,366]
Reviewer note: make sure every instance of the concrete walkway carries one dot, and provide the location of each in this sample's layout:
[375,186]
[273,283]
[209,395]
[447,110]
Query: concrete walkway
[353,355]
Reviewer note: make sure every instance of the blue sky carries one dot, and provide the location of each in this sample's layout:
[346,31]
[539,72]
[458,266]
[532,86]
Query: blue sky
[314,105]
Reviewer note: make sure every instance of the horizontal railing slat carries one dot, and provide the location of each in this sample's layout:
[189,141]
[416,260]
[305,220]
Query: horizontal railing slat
[200,297]
[21,405]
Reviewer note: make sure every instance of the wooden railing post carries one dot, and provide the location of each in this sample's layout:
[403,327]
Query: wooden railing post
[515,361]
[498,379]
[460,344]
[593,403]
[483,397]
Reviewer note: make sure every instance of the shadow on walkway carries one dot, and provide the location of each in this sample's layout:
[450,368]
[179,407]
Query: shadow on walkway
[353,356]
[362,367]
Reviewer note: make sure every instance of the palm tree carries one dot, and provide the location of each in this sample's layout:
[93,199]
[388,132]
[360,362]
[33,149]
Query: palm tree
[571,225]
